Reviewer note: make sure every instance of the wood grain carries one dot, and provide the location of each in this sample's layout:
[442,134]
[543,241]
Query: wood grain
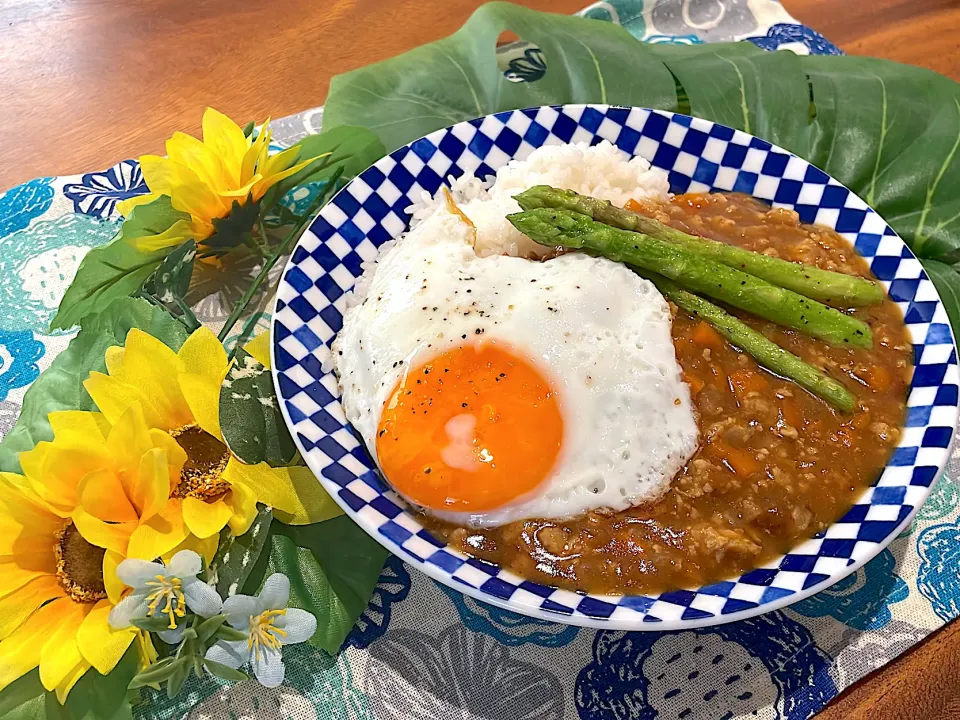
[86,83]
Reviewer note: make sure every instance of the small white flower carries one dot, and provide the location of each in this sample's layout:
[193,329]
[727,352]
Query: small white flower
[164,590]
[269,625]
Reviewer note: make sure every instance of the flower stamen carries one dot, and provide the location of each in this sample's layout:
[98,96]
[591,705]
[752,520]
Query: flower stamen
[79,565]
[171,590]
[264,634]
[207,458]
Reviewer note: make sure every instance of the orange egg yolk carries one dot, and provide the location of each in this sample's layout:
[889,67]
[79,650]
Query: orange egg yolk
[470,430]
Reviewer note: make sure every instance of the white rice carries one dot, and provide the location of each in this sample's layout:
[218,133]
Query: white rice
[602,171]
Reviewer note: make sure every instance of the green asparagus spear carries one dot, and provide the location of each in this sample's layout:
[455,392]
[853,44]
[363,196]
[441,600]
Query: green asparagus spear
[828,287]
[694,272]
[764,351]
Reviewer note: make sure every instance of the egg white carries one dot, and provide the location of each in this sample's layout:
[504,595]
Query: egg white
[599,332]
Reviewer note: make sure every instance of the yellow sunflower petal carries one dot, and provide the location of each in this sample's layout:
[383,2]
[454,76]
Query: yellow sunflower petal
[111,583]
[60,655]
[101,645]
[17,536]
[173,236]
[283,160]
[294,492]
[205,547]
[203,398]
[153,368]
[24,519]
[125,207]
[20,652]
[244,505]
[22,603]
[146,653]
[112,536]
[78,426]
[55,471]
[259,347]
[225,138]
[204,519]
[151,491]
[256,154]
[113,398]
[128,440]
[70,680]
[270,180]
[102,495]
[314,504]
[202,354]
[196,155]
[176,457]
[160,177]
[159,534]
[206,365]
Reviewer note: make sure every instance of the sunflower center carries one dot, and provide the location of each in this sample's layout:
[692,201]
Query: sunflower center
[207,457]
[79,566]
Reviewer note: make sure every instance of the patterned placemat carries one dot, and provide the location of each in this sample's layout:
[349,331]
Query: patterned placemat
[423,651]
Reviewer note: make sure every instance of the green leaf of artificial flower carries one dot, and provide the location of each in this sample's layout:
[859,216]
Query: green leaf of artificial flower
[234,229]
[179,676]
[230,634]
[116,269]
[250,418]
[154,674]
[237,555]
[353,149]
[60,386]
[151,624]
[224,672]
[208,628]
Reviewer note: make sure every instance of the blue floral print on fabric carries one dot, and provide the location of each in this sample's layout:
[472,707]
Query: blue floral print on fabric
[785,33]
[507,627]
[19,353]
[721,672]
[21,204]
[39,262]
[937,577]
[861,600]
[392,587]
[945,499]
[97,194]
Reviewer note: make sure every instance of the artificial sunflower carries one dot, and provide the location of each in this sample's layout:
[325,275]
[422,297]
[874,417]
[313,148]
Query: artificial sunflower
[205,178]
[180,395]
[89,499]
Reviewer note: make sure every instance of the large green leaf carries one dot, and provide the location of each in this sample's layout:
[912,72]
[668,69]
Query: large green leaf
[333,568]
[890,132]
[116,269]
[24,698]
[60,386]
[457,78]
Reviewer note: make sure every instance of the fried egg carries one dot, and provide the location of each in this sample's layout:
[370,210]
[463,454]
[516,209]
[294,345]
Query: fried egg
[493,389]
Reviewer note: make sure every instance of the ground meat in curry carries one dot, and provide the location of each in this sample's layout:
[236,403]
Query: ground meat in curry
[775,464]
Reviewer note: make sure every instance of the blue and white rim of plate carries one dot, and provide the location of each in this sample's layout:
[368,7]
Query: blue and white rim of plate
[699,156]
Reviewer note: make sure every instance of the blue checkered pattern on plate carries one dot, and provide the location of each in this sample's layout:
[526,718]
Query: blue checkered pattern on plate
[699,156]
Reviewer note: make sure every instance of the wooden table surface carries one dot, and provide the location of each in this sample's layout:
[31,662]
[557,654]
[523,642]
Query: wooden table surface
[87,83]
